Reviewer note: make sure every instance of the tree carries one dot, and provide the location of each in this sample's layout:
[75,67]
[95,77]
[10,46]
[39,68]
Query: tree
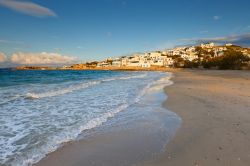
[179,62]
[230,60]
[202,52]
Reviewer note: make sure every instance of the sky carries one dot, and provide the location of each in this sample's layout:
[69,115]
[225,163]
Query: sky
[57,31]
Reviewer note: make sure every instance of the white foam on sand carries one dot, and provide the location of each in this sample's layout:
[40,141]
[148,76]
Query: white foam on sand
[71,133]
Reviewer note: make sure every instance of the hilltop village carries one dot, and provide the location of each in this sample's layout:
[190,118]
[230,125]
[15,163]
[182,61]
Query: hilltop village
[208,55]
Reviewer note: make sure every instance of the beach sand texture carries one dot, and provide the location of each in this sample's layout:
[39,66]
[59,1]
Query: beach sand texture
[215,109]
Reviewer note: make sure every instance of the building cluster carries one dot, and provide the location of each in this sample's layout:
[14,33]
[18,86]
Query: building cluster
[157,58]
[216,51]
[175,57]
[167,58]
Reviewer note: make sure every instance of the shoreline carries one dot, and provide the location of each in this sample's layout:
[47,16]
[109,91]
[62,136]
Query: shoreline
[156,126]
[45,68]
[215,130]
[214,107]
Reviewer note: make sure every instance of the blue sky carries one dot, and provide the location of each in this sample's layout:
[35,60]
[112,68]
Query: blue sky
[96,29]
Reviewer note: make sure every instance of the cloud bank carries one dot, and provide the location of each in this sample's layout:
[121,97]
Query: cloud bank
[242,39]
[2,57]
[43,58]
[28,8]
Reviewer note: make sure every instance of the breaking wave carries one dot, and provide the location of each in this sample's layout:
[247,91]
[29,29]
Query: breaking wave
[77,87]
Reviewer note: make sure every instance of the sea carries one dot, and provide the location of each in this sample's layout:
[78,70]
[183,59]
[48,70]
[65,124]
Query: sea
[41,110]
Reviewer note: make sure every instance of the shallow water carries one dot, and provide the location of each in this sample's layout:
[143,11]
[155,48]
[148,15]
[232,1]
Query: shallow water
[41,110]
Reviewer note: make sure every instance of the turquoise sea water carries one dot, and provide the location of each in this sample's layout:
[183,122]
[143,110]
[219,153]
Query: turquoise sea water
[41,110]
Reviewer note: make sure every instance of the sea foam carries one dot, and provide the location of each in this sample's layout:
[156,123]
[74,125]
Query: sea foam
[61,91]
[77,87]
[33,128]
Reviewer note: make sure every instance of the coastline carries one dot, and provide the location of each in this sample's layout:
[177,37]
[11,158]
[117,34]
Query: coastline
[214,107]
[215,128]
[123,68]
[122,144]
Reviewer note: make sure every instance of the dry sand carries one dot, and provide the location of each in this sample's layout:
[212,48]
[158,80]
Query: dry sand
[215,109]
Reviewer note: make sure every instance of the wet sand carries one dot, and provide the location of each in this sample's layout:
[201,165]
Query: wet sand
[120,147]
[215,109]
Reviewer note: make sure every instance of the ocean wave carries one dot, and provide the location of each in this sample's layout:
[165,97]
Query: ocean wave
[125,78]
[61,91]
[160,84]
[77,87]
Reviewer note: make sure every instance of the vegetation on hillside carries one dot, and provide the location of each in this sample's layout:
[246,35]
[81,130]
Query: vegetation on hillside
[231,59]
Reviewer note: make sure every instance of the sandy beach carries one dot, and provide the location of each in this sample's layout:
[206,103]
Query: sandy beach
[214,107]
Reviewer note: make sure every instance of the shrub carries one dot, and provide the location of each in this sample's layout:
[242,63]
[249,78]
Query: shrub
[230,60]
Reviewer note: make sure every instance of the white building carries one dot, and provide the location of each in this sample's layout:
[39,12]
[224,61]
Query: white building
[246,52]
[146,65]
[208,45]
[124,61]
[159,62]
[177,52]
[153,55]
[229,44]
[190,49]
[169,62]
[193,57]
[102,64]
[134,64]
[117,62]
[218,53]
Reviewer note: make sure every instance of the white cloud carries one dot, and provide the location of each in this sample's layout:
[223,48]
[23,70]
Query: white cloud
[2,57]
[27,7]
[43,58]
[217,17]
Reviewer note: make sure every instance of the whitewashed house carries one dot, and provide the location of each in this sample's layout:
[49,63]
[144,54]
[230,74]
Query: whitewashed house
[159,62]
[218,53]
[168,62]
[117,62]
[190,49]
[208,45]
[229,44]
[153,55]
[124,61]
[185,56]
[177,52]
[103,64]
[146,64]
[134,64]
[192,57]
